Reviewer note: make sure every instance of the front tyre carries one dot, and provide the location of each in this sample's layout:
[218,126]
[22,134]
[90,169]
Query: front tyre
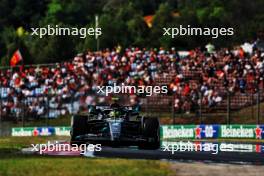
[78,127]
[150,131]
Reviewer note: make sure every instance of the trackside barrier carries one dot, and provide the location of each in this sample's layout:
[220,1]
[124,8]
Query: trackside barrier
[41,131]
[214,131]
[168,132]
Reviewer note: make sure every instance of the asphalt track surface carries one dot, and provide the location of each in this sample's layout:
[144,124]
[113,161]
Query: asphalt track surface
[160,154]
[222,157]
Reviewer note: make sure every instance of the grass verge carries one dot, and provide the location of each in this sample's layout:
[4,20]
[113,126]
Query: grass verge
[13,163]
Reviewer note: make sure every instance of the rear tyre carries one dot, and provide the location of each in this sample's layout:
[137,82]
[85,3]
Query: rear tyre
[150,131]
[79,127]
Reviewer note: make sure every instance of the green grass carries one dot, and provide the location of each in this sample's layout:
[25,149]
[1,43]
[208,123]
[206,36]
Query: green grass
[13,163]
[47,166]
[22,142]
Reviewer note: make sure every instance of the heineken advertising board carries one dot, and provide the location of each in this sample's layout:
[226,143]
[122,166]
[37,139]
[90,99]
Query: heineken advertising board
[41,131]
[170,132]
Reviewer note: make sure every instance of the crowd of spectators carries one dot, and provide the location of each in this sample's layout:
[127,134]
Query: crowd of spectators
[202,76]
[207,76]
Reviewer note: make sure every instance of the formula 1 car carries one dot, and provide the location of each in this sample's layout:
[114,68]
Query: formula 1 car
[115,125]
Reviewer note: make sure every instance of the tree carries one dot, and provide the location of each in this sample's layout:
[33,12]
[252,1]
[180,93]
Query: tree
[162,19]
[52,49]
[138,30]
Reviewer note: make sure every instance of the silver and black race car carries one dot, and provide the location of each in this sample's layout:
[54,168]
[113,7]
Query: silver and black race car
[115,125]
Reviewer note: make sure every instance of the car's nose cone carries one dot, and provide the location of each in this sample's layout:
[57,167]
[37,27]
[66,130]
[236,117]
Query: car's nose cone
[115,129]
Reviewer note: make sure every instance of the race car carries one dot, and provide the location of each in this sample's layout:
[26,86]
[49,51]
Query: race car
[115,125]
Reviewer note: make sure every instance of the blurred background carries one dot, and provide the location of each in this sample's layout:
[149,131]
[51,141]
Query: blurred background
[124,23]
[209,80]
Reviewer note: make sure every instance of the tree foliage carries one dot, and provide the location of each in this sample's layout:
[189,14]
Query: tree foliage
[122,23]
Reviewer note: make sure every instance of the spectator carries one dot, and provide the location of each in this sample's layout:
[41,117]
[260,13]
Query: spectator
[76,80]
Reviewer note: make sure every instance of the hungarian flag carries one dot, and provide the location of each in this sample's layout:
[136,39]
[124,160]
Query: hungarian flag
[16,58]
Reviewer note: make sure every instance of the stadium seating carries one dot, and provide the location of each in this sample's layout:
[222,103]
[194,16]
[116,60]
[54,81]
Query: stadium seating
[199,81]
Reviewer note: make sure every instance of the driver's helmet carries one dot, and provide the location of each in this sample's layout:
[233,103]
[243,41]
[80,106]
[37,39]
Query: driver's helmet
[115,105]
[114,114]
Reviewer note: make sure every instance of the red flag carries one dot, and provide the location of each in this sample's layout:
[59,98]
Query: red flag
[16,58]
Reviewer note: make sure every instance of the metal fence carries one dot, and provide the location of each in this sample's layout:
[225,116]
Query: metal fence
[234,108]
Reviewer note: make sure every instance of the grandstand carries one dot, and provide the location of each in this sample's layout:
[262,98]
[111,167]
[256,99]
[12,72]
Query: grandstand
[201,84]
